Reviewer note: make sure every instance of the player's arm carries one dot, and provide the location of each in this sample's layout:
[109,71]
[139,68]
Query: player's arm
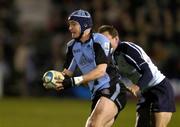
[131,87]
[136,59]
[100,70]
[101,61]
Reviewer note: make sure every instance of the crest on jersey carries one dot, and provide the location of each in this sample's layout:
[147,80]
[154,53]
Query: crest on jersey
[106,46]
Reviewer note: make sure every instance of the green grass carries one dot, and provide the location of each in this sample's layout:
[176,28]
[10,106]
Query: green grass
[49,112]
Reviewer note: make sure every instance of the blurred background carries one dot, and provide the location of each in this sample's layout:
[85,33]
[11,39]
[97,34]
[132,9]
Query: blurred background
[34,33]
[33,37]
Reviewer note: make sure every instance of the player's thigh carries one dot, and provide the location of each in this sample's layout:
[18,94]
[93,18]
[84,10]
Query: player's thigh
[105,110]
[162,118]
[162,97]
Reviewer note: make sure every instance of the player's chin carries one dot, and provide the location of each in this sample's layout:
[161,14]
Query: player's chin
[74,36]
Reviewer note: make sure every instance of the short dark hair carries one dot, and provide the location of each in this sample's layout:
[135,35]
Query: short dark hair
[108,28]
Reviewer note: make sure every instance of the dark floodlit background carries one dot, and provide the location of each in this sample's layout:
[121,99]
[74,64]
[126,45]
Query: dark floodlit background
[34,33]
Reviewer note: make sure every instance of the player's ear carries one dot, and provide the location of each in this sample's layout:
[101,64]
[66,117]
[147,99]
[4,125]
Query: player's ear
[117,38]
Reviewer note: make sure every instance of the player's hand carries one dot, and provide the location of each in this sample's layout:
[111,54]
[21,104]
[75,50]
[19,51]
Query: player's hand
[135,90]
[59,83]
[59,86]
[58,80]
[67,82]
[71,81]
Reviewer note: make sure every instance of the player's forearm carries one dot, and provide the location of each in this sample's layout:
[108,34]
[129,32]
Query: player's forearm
[98,72]
[145,78]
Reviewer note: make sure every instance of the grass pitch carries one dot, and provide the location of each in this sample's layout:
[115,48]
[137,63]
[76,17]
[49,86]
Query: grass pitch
[50,112]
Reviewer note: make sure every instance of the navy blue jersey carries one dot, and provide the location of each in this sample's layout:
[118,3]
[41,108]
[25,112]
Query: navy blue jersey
[86,56]
[138,61]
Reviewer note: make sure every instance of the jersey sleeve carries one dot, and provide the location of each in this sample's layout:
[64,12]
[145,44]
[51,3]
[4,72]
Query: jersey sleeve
[104,43]
[100,56]
[70,63]
[134,57]
[101,48]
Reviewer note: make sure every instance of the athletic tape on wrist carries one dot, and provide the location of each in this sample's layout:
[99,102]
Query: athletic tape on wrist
[78,80]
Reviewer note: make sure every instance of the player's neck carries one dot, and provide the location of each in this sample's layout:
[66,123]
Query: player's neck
[85,37]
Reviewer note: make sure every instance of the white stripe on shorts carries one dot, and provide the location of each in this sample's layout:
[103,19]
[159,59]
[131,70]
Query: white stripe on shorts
[116,93]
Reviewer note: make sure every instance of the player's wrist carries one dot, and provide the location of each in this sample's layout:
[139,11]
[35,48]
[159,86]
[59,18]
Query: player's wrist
[72,81]
[78,80]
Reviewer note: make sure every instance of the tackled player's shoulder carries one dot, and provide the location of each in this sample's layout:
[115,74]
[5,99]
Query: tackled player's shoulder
[100,38]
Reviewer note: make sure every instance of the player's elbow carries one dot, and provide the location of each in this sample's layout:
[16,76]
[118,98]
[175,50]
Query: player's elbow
[102,69]
[101,73]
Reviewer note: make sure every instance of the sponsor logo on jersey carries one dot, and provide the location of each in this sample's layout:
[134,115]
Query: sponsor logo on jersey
[76,50]
[85,60]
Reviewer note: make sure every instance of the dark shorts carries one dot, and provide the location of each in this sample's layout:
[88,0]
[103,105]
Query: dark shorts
[116,92]
[160,97]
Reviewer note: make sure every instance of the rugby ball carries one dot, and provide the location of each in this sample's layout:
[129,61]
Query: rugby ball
[51,77]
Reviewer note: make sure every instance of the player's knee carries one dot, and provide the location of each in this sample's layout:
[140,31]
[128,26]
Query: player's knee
[93,122]
[110,123]
[161,124]
[90,122]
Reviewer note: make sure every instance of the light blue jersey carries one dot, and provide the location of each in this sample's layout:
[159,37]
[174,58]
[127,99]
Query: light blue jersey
[86,56]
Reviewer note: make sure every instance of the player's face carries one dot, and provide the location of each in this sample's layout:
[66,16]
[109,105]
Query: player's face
[114,40]
[74,28]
